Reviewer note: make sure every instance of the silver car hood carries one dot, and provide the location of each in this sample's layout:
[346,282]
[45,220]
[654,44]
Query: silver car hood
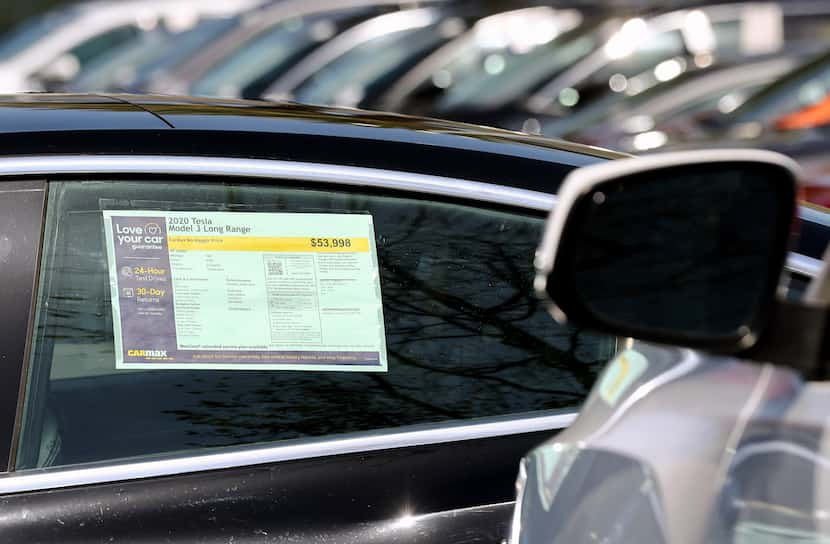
[675,446]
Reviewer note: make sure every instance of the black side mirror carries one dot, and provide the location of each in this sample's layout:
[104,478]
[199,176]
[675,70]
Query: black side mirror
[682,248]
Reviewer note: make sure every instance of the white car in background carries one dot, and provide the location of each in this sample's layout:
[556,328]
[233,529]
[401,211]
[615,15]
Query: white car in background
[54,46]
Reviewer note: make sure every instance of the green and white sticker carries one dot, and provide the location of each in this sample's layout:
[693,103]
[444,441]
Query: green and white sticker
[245,291]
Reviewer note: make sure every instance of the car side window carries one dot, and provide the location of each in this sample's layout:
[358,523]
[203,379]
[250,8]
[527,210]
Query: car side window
[465,336]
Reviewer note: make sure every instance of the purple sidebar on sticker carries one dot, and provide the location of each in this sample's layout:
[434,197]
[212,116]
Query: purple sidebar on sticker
[145,288]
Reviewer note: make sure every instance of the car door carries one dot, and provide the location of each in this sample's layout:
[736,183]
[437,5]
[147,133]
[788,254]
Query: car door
[476,372]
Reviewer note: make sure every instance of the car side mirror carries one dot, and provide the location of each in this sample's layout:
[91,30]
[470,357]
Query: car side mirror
[682,248]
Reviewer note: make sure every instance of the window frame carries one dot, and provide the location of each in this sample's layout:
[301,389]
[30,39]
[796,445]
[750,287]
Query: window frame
[17,310]
[58,167]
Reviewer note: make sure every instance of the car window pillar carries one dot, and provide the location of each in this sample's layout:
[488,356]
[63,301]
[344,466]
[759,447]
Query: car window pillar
[21,225]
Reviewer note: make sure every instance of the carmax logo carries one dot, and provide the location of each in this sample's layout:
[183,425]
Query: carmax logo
[147,352]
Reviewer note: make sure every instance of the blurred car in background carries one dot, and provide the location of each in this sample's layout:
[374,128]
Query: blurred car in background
[485,46]
[52,49]
[249,69]
[353,67]
[135,63]
[789,114]
[496,62]
[768,112]
[640,52]
[267,42]
[630,124]
[630,76]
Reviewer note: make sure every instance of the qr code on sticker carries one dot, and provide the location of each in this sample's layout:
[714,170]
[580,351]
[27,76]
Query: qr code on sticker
[275,267]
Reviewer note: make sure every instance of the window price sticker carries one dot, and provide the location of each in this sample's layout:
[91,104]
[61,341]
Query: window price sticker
[245,291]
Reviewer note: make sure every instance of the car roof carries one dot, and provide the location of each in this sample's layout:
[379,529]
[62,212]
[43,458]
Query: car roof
[164,125]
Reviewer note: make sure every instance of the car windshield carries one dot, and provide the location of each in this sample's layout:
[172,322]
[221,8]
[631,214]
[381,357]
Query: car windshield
[33,30]
[345,80]
[494,76]
[265,53]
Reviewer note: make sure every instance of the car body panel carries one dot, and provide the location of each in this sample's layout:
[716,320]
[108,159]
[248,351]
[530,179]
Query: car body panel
[360,497]
[759,474]
[293,132]
[48,113]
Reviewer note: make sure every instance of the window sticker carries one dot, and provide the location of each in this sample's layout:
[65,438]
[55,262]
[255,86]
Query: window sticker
[245,291]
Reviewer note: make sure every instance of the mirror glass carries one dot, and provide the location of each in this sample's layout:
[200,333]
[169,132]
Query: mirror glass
[689,251]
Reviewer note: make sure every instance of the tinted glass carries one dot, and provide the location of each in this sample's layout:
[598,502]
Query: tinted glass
[466,338]
[687,250]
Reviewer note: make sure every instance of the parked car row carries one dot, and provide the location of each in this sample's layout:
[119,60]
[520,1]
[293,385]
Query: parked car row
[635,80]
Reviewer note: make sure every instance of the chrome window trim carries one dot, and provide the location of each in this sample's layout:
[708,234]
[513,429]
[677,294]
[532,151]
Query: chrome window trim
[44,479]
[266,168]
[113,471]
[810,213]
[804,265]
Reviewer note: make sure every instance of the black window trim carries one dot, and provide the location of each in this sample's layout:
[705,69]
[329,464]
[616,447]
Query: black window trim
[238,456]
[20,295]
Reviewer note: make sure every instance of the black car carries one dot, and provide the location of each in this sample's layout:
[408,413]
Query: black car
[114,428]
